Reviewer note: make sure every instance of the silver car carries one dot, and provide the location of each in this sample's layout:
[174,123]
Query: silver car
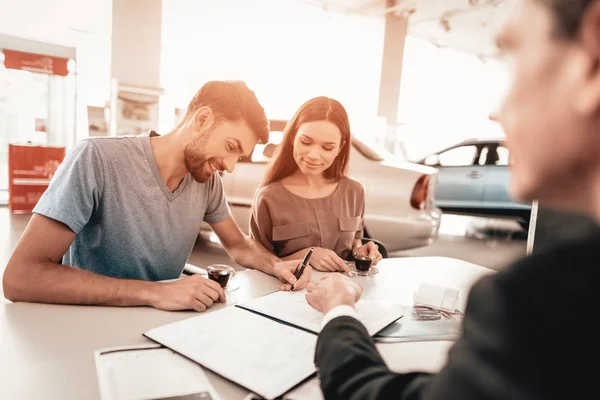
[399,210]
[474,178]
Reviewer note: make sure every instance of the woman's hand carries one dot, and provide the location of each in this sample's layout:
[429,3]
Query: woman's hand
[327,260]
[370,250]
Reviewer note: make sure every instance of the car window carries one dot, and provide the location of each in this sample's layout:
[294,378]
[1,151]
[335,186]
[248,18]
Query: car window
[483,155]
[259,155]
[493,155]
[502,155]
[263,152]
[462,156]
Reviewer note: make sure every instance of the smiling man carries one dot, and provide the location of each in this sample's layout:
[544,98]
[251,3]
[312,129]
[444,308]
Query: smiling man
[121,213]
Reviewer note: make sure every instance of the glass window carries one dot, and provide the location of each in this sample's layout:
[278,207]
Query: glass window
[493,155]
[502,155]
[262,153]
[462,156]
[34,108]
[483,155]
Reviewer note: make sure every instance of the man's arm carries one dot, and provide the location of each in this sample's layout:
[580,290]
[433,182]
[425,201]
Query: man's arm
[34,274]
[244,250]
[480,365]
[350,366]
[251,254]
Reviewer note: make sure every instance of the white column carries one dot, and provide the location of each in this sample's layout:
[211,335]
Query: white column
[135,63]
[396,27]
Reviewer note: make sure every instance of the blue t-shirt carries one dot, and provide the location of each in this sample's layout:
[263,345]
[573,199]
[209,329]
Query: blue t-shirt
[128,224]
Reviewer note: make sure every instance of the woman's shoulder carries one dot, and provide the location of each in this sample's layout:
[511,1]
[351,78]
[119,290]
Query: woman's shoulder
[353,185]
[268,192]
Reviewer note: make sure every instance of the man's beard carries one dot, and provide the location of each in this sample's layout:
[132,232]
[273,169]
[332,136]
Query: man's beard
[195,158]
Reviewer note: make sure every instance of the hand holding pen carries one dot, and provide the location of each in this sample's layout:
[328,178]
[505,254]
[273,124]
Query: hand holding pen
[302,267]
[288,274]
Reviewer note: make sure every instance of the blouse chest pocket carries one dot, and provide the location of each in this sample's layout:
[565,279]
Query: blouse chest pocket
[290,231]
[349,224]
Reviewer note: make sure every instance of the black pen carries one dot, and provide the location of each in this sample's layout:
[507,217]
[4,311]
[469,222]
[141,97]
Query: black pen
[304,263]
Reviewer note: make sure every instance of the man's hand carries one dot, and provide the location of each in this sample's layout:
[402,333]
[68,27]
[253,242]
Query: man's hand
[285,270]
[327,260]
[370,250]
[191,293]
[331,291]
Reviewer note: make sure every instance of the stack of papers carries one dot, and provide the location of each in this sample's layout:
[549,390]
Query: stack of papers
[258,344]
[150,372]
[293,309]
[262,355]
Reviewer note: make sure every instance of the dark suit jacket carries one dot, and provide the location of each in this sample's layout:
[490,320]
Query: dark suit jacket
[528,333]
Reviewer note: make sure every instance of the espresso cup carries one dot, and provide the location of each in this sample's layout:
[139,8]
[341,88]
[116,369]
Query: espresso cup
[362,264]
[221,274]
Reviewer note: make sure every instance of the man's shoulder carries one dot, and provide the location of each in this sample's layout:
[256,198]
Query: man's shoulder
[565,274]
[578,257]
[115,145]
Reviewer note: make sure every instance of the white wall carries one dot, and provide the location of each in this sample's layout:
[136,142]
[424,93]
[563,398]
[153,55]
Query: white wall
[287,51]
[136,42]
[84,24]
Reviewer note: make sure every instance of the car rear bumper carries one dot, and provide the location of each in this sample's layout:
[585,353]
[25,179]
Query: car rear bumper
[424,229]
[406,232]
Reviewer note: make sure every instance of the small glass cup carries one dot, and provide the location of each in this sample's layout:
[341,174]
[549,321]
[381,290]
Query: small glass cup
[363,264]
[223,274]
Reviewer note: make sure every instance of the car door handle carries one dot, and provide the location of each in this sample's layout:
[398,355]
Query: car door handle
[474,175]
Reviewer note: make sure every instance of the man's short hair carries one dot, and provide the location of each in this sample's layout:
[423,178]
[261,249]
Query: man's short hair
[568,15]
[232,101]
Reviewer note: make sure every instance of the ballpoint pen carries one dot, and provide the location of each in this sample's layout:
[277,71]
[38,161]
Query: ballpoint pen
[302,266]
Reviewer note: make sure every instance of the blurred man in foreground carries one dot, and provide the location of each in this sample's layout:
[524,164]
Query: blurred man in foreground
[527,328]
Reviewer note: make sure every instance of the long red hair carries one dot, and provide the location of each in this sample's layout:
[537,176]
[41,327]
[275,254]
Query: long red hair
[318,109]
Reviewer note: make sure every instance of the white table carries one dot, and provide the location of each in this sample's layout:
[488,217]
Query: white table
[46,351]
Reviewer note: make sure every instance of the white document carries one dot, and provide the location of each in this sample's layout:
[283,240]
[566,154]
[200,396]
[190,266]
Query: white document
[266,357]
[293,309]
[150,372]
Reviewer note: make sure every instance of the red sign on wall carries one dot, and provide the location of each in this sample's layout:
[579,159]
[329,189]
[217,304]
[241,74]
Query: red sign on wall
[35,62]
[30,169]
